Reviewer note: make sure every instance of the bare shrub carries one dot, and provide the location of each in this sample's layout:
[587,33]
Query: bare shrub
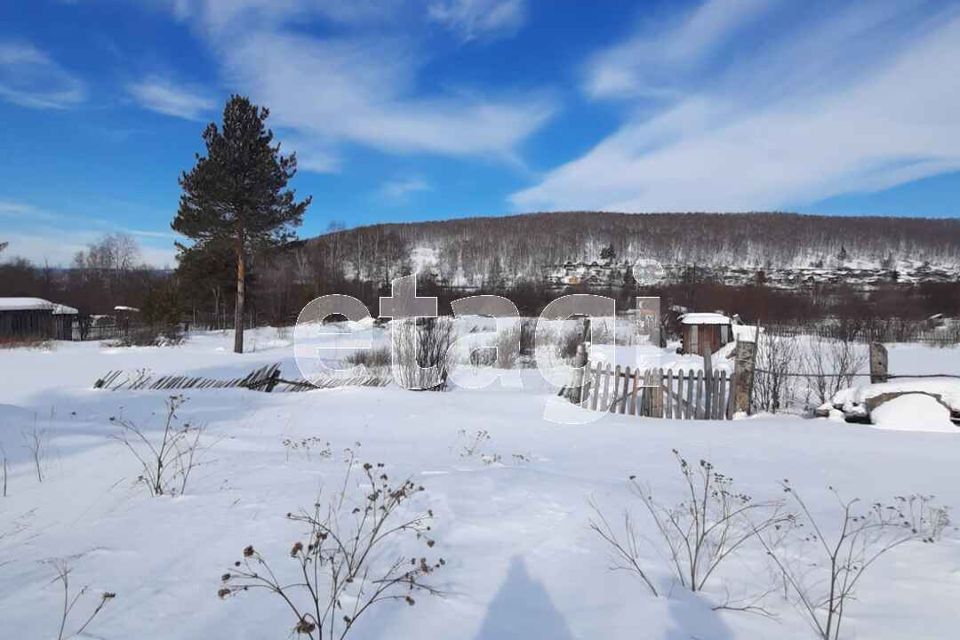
[307,446]
[346,563]
[422,358]
[475,447]
[166,460]
[831,365]
[823,585]
[376,358]
[150,336]
[568,342]
[508,341]
[40,344]
[775,379]
[35,441]
[700,532]
[528,335]
[3,468]
[70,603]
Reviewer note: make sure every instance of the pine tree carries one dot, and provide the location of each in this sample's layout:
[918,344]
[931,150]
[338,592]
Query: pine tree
[237,192]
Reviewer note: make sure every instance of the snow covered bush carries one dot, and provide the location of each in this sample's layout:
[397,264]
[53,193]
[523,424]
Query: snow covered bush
[348,560]
[822,568]
[167,460]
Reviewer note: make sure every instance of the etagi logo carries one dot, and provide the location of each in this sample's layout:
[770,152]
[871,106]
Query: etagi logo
[320,349]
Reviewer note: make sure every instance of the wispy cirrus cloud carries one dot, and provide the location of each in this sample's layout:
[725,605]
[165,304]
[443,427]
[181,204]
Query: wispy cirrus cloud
[479,19]
[29,77]
[401,189]
[169,98]
[842,99]
[38,234]
[360,86]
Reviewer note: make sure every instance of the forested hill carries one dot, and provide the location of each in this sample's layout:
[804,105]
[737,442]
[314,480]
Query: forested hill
[470,250]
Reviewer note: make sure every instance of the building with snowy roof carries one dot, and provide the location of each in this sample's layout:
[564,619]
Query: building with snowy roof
[703,333]
[35,319]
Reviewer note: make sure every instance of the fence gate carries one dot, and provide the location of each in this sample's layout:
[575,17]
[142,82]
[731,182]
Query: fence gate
[692,394]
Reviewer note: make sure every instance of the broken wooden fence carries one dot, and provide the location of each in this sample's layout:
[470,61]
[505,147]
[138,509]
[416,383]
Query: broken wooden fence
[266,378]
[692,394]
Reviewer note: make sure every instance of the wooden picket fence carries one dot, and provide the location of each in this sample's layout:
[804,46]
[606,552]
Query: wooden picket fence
[679,395]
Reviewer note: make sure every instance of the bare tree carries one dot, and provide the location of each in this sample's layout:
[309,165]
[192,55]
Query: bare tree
[167,461]
[341,567]
[70,602]
[823,586]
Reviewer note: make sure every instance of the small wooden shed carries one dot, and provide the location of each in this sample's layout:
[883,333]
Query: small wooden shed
[65,322]
[26,319]
[703,333]
[36,319]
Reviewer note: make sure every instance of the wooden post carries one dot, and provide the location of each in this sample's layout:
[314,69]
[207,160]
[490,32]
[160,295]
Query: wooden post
[574,390]
[743,376]
[878,363]
[708,386]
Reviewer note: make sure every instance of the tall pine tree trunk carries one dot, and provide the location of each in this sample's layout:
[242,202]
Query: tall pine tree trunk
[238,311]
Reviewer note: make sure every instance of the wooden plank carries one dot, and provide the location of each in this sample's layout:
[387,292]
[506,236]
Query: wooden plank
[707,384]
[616,390]
[657,393]
[596,387]
[668,385]
[722,396]
[730,395]
[647,393]
[698,400]
[633,392]
[622,404]
[607,374]
[680,375]
[585,391]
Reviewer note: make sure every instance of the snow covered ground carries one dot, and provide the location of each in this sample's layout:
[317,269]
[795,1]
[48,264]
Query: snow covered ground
[521,561]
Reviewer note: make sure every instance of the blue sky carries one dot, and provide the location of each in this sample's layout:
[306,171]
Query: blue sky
[404,110]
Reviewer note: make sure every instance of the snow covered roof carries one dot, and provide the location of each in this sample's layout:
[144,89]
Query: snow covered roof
[704,318]
[64,310]
[26,304]
[36,304]
[121,307]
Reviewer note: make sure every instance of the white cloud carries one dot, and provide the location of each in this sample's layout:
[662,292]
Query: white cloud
[650,62]
[218,15]
[857,102]
[359,87]
[399,190]
[30,78]
[362,90]
[476,19]
[163,96]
